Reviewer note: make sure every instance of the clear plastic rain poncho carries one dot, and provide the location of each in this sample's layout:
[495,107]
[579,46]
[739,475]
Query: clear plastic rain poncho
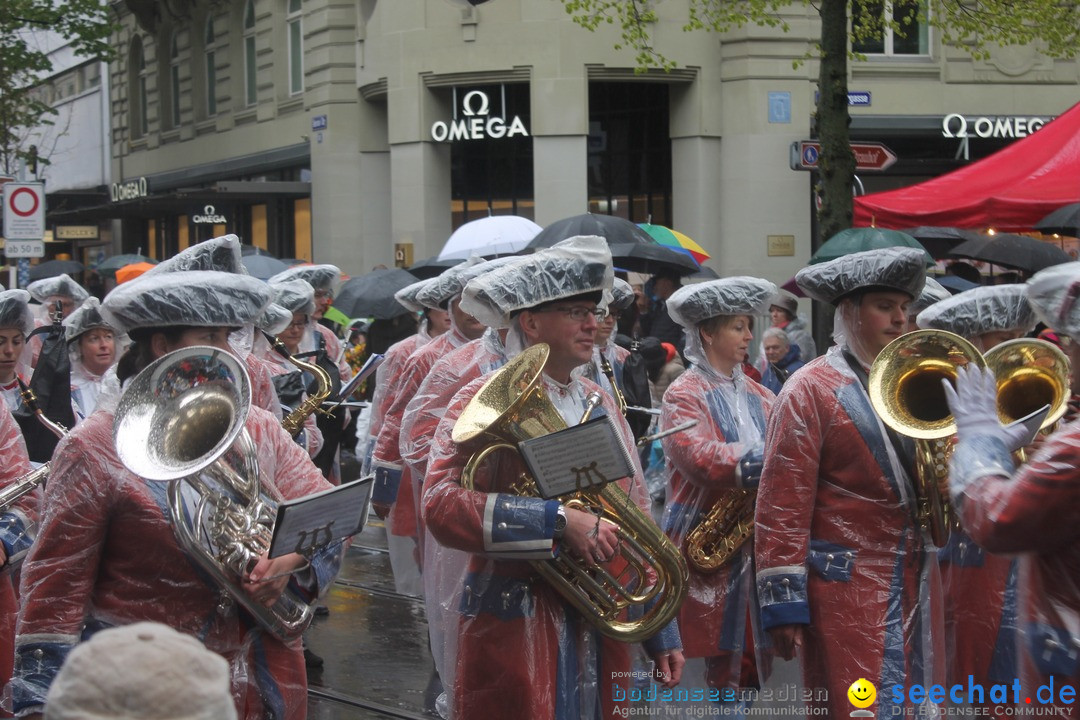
[979,588]
[15,314]
[17,530]
[1032,510]
[86,385]
[106,553]
[717,459]
[513,647]
[839,554]
[622,297]
[59,286]
[972,313]
[932,292]
[325,278]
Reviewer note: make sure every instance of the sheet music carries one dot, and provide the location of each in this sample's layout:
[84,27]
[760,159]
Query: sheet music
[317,520]
[580,456]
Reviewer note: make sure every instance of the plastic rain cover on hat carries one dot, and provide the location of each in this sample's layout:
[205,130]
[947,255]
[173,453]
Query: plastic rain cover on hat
[15,311]
[142,671]
[85,317]
[692,304]
[932,292]
[62,285]
[896,268]
[220,253]
[981,310]
[1055,295]
[407,296]
[447,286]
[274,319]
[202,298]
[572,267]
[296,296]
[622,295]
[324,278]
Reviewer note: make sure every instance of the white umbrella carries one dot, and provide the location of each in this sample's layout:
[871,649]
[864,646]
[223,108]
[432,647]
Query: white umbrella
[494,235]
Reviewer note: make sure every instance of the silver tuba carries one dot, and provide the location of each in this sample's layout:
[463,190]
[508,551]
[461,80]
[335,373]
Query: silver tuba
[182,420]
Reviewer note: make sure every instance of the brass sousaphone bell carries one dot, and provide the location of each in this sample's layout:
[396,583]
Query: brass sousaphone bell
[512,407]
[181,421]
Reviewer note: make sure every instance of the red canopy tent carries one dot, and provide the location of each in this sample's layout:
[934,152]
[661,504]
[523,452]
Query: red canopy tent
[1010,190]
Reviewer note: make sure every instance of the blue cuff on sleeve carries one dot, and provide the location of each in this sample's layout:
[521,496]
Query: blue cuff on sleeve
[977,457]
[36,665]
[16,535]
[667,639]
[521,527]
[782,595]
[387,479]
[750,465]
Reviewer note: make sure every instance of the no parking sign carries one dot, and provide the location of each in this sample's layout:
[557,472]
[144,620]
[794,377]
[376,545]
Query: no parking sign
[24,211]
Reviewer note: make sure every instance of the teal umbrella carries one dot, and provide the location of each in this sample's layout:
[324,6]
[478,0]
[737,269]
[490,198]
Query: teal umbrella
[855,240]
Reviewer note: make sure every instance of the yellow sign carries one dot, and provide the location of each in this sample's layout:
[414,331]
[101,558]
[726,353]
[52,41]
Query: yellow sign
[781,245]
[76,232]
[403,255]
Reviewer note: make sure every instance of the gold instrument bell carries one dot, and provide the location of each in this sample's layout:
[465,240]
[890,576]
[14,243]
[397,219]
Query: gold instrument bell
[1030,374]
[511,407]
[906,392]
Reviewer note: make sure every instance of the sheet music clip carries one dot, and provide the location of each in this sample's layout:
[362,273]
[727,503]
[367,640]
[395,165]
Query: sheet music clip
[309,524]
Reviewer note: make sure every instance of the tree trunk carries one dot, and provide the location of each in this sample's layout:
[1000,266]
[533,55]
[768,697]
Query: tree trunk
[836,164]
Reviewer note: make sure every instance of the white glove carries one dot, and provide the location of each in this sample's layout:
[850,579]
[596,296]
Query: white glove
[974,406]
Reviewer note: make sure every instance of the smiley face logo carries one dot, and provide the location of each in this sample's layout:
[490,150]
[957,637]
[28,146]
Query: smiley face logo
[862,693]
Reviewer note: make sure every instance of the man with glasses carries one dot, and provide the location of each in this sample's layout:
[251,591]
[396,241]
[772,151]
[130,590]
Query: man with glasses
[521,650]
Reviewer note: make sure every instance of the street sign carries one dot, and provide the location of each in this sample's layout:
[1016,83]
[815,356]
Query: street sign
[804,155]
[24,211]
[24,248]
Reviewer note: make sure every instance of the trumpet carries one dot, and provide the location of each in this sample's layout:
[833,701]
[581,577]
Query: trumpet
[512,407]
[181,420]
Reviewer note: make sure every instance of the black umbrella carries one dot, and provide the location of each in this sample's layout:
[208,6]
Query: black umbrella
[263,267]
[611,228]
[1063,221]
[52,268]
[372,295]
[432,267]
[939,240]
[651,259]
[1013,251]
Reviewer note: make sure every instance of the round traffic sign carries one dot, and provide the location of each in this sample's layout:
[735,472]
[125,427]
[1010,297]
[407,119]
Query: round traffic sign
[24,201]
[810,155]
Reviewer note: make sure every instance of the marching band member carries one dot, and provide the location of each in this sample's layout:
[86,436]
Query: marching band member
[392,496]
[1032,510]
[521,651]
[719,456]
[846,578]
[17,529]
[979,588]
[106,554]
[932,292]
[622,297]
[58,289]
[92,348]
[16,322]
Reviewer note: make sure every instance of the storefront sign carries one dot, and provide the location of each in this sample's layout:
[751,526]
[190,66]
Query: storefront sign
[477,122]
[76,232]
[209,217]
[956,125]
[129,190]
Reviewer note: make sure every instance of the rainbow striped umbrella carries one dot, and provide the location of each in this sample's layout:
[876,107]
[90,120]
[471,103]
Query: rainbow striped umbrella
[676,240]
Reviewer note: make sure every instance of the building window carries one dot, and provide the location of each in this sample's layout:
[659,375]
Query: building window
[137,90]
[872,25]
[294,19]
[211,68]
[174,80]
[493,175]
[629,151]
[250,90]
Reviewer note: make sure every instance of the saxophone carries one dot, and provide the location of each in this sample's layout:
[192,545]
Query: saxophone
[294,421]
[23,486]
[722,531]
[609,373]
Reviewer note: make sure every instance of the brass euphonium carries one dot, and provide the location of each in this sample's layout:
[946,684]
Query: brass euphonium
[1030,374]
[182,420]
[512,407]
[906,392]
[294,421]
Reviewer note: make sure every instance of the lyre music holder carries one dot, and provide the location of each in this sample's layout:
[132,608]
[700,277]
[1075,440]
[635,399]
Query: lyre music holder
[309,524]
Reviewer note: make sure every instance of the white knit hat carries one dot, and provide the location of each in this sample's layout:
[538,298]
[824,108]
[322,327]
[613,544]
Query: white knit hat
[145,671]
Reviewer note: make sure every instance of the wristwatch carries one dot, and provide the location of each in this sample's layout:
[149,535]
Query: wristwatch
[560,523]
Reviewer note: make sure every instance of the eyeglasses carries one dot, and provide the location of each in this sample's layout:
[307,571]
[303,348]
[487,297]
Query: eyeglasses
[324,295]
[298,325]
[578,313]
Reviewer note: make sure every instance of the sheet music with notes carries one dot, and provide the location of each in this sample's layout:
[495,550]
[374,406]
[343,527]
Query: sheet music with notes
[313,522]
[580,456]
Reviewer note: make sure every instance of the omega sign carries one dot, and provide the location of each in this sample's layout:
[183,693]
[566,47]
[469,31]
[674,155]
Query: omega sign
[128,190]
[477,122]
[960,126]
[209,216]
